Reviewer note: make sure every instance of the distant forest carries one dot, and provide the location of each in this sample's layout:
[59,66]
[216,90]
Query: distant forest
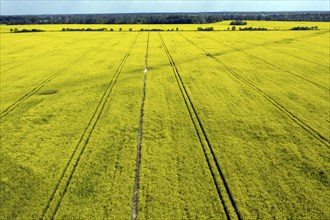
[164,18]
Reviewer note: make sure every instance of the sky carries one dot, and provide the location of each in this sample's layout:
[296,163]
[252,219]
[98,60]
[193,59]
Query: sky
[34,7]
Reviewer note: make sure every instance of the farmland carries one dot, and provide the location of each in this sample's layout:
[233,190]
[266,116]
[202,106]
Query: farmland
[192,125]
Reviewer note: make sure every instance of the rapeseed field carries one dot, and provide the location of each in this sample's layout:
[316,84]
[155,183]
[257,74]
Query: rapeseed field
[233,124]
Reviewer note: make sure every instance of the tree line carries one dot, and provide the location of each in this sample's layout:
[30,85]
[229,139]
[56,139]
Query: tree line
[25,30]
[164,18]
[238,22]
[205,29]
[83,29]
[253,29]
[113,19]
[298,28]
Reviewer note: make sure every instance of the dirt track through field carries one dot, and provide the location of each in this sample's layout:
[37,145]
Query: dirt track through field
[61,187]
[219,180]
[138,157]
[317,135]
[46,81]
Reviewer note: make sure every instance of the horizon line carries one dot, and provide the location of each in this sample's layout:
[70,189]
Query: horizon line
[183,12]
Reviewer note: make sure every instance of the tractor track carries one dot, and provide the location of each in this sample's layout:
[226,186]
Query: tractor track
[279,106]
[268,63]
[37,88]
[61,187]
[45,82]
[288,54]
[138,157]
[295,39]
[276,104]
[205,144]
[43,54]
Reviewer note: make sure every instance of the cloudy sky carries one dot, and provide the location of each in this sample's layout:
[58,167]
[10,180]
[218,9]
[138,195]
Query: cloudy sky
[24,7]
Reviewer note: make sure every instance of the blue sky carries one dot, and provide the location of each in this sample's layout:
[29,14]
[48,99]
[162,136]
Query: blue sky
[23,7]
